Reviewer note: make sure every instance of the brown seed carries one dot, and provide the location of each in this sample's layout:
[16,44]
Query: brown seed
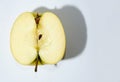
[40,36]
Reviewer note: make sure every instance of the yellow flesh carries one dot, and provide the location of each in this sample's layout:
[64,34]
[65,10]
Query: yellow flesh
[24,38]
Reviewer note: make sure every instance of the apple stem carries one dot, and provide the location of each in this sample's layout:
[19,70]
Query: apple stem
[36,66]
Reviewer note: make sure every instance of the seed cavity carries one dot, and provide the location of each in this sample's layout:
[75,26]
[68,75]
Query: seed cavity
[37,19]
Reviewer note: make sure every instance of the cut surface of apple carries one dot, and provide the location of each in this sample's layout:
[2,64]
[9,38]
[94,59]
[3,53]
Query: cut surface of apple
[37,35]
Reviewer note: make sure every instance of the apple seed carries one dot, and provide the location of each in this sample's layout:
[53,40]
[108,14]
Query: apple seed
[40,36]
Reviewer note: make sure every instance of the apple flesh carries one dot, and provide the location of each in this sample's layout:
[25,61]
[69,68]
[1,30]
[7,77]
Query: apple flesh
[37,38]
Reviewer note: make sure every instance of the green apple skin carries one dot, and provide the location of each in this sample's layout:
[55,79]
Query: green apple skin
[24,42]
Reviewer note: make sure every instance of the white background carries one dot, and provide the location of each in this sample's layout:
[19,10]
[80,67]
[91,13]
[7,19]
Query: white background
[98,61]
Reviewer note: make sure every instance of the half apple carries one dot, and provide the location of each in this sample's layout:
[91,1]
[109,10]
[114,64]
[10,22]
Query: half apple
[37,38]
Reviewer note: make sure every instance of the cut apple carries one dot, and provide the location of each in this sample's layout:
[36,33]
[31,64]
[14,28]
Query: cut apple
[37,38]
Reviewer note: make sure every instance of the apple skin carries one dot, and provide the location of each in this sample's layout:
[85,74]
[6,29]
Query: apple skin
[26,46]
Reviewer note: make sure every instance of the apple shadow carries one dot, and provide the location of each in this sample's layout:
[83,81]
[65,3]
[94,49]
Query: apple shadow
[75,29]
